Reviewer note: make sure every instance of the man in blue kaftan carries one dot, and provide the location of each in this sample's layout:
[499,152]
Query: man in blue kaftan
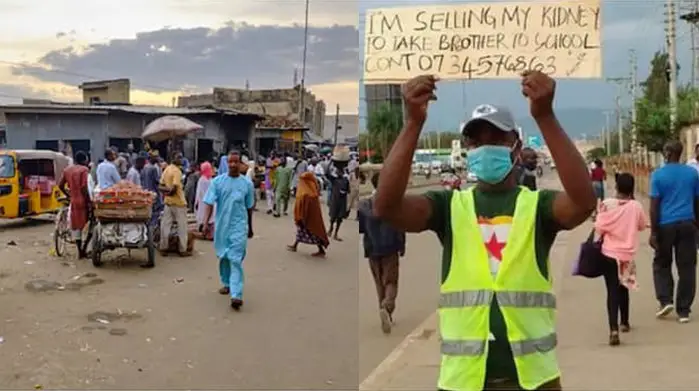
[234,197]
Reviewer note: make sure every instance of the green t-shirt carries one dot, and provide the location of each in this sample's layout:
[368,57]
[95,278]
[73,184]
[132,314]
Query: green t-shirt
[495,211]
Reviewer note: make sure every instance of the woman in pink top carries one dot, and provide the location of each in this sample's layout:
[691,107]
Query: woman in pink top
[619,222]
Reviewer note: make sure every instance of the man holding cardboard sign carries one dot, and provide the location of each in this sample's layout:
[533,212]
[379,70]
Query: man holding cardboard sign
[497,307]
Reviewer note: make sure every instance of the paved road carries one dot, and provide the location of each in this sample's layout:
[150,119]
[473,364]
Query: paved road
[298,328]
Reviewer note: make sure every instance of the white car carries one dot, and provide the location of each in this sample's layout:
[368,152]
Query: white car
[471,177]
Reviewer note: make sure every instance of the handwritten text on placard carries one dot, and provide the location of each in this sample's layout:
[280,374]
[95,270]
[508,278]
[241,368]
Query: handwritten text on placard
[485,41]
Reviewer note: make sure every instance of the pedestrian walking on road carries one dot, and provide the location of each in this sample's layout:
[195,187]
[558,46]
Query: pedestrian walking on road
[497,306]
[150,180]
[233,196]
[206,175]
[270,177]
[383,246]
[175,211]
[308,217]
[75,177]
[282,188]
[619,222]
[337,205]
[598,177]
[674,197]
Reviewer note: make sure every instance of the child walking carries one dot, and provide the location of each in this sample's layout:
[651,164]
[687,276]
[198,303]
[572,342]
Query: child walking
[619,222]
[383,246]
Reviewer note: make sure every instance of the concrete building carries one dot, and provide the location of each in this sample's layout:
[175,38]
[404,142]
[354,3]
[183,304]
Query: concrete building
[377,95]
[112,92]
[93,128]
[279,103]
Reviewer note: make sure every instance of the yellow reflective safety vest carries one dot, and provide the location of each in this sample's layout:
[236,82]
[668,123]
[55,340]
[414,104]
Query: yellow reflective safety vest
[525,298]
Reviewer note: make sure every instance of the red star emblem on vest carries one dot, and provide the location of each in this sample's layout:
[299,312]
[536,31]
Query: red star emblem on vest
[495,247]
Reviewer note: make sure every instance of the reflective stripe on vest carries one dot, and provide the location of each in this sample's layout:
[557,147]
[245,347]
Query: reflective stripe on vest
[523,294]
[519,348]
[505,299]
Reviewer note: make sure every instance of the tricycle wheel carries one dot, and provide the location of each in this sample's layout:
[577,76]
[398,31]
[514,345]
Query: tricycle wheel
[59,233]
[97,248]
[150,245]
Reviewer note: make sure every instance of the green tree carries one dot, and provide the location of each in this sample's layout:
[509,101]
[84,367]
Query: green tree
[653,108]
[596,153]
[383,124]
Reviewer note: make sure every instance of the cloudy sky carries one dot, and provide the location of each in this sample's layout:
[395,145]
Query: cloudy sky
[627,24]
[174,47]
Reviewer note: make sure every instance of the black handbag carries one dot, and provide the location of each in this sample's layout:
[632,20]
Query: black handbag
[590,262]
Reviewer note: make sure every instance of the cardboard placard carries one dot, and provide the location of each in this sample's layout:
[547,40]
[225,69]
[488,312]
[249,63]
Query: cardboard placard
[483,41]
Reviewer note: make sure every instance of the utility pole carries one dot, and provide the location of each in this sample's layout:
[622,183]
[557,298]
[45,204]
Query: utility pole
[671,36]
[302,89]
[634,115]
[608,132]
[692,17]
[621,82]
[337,123]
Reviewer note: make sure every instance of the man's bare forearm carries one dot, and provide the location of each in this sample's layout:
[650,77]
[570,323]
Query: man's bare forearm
[570,165]
[396,171]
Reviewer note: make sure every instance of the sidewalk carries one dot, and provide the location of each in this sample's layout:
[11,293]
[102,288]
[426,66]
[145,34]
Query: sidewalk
[657,354]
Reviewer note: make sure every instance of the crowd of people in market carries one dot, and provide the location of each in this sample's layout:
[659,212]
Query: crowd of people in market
[223,193]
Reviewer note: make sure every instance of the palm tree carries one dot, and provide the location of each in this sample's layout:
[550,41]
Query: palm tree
[384,123]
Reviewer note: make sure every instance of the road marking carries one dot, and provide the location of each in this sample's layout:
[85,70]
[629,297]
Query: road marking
[387,364]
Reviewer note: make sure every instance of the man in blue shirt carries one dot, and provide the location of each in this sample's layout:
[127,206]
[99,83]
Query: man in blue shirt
[107,172]
[674,193]
[234,196]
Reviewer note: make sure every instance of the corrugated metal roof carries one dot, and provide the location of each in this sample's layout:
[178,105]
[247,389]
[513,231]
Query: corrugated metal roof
[157,110]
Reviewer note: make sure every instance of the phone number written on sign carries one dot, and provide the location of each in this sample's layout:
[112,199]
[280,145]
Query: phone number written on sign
[492,65]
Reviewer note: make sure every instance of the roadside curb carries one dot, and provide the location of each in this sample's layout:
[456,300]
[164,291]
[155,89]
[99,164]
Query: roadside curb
[387,364]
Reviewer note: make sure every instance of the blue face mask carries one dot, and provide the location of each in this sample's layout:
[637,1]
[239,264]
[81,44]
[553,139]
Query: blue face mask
[490,163]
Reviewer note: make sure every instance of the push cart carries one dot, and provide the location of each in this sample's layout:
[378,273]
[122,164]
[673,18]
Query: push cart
[122,228]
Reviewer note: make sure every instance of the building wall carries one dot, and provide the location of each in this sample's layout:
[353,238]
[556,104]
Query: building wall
[113,92]
[23,130]
[193,101]
[275,102]
[377,95]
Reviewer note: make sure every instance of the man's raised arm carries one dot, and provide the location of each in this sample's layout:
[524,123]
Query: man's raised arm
[578,201]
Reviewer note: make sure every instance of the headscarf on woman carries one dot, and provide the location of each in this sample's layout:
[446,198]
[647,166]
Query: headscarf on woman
[307,211]
[207,172]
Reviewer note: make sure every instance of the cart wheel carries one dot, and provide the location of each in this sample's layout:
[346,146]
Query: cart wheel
[150,245]
[59,233]
[97,248]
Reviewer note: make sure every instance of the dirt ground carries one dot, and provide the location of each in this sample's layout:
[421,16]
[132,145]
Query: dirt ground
[66,324]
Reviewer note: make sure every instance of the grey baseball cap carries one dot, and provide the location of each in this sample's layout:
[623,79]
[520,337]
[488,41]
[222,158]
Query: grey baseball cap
[498,116]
